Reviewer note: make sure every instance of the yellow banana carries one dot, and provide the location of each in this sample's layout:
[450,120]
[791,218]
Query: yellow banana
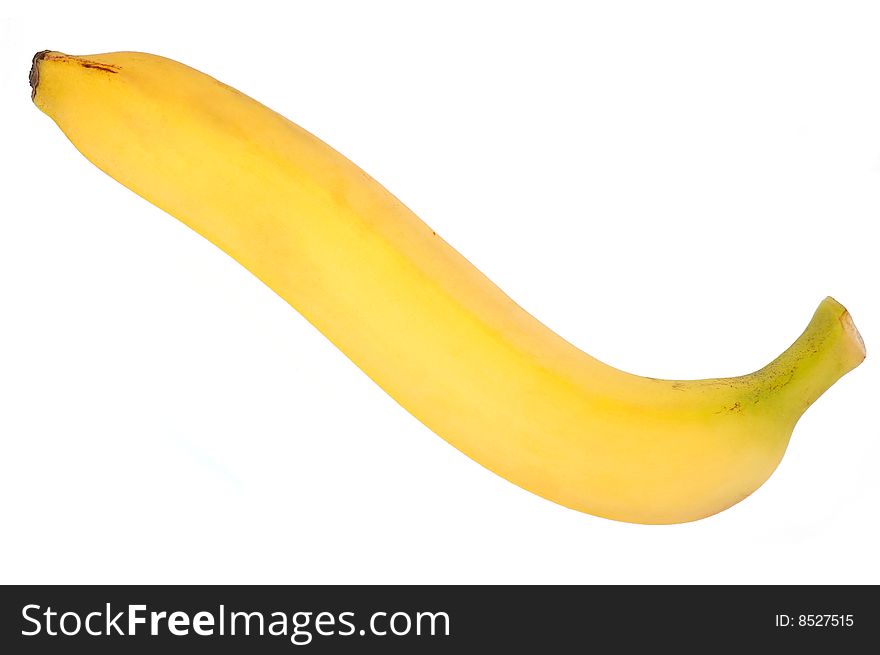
[418,318]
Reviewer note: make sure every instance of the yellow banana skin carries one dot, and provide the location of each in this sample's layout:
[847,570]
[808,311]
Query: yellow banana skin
[418,318]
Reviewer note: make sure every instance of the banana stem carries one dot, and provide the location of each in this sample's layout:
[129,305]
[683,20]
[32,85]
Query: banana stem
[828,349]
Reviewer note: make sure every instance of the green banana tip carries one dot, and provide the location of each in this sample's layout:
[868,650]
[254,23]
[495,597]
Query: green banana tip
[832,337]
[854,340]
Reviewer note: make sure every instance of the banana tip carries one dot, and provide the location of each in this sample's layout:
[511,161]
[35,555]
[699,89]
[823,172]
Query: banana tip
[858,343]
[854,339]
[34,77]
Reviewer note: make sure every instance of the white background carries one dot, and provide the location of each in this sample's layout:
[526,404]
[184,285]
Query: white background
[671,186]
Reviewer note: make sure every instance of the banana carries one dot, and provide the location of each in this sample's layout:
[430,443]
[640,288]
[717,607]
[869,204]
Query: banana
[418,318]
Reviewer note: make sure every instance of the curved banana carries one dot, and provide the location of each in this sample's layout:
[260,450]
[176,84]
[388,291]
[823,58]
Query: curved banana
[418,318]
